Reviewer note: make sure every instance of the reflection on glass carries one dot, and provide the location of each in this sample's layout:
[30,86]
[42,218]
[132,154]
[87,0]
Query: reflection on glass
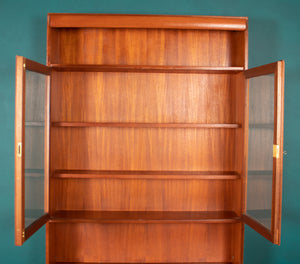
[34,146]
[260,148]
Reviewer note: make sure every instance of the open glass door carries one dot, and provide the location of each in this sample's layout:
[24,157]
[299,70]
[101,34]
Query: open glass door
[265,92]
[32,148]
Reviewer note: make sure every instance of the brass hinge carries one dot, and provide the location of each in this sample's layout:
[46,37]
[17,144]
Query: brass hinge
[19,149]
[23,234]
[276,151]
[24,66]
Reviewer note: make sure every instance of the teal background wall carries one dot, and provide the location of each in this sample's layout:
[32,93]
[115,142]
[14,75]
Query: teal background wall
[274,34]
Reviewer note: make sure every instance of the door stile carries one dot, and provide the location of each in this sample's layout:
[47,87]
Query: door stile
[19,152]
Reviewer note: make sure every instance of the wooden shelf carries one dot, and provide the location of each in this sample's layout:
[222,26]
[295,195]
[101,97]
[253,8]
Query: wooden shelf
[145,217]
[72,262]
[145,68]
[66,262]
[152,175]
[142,125]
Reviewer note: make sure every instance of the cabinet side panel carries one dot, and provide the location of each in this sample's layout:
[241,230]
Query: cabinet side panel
[239,47]
[237,243]
[53,51]
[142,243]
[148,47]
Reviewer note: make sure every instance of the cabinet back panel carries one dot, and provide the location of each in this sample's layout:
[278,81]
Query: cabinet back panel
[143,195]
[142,243]
[143,97]
[147,47]
[95,148]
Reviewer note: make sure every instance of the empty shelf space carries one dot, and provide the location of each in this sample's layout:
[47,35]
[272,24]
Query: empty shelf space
[145,217]
[138,174]
[145,68]
[142,125]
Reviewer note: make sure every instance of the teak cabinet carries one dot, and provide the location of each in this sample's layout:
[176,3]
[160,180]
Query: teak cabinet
[146,139]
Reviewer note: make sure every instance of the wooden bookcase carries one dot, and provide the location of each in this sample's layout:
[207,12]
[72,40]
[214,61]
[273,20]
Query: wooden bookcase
[146,139]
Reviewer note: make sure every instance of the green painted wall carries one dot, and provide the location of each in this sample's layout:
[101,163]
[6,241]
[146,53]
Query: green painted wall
[274,34]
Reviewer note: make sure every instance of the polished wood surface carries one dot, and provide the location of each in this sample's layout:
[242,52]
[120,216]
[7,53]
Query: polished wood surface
[19,159]
[133,174]
[140,217]
[279,113]
[36,67]
[158,47]
[142,125]
[145,68]
[147,127]
[143,97]
[147,262]
[147,21]
[66,262]
[142,149]
[142,243]
[142,194]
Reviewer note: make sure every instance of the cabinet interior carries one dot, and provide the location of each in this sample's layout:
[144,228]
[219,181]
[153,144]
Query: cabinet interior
[145,153]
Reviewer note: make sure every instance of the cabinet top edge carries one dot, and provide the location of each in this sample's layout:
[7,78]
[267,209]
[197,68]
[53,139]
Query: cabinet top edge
[64,20]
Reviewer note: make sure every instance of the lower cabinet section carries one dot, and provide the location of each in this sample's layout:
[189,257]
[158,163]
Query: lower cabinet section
[75,242]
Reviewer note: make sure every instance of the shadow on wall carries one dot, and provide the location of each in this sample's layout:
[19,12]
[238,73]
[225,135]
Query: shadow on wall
[263,42]
[39,33]
[257,247]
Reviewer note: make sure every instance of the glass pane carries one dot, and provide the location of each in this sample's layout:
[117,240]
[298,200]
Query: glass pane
[260,148]
[34,146]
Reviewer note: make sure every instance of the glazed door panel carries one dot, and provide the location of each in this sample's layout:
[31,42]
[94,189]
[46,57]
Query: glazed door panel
[265,88]
[31,154]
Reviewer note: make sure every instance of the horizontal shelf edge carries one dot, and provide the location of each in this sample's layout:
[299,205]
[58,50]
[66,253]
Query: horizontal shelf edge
[145,68]
[142,125]
[152,175]
[72,262]
[144,217]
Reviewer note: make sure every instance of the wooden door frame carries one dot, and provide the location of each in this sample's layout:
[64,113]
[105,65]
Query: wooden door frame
[22,233]
[276,68]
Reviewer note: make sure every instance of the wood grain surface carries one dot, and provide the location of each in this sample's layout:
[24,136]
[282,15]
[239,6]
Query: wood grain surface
[147,139]
[142,243]
[143,195]
[147,47]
